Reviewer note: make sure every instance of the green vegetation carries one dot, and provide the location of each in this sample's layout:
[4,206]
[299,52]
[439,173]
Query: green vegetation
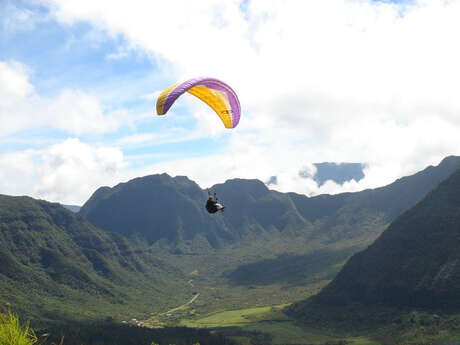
[268,247]
[103,333]
[415,263]
[348,325]
[163,261]
[385,325]
[13,333]
[269,325]
[406,286]
[228,318]
[55,266]
[100,333]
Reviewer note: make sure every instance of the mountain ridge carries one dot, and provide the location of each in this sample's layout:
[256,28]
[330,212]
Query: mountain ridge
[250,204]
[414,263]
[263,230]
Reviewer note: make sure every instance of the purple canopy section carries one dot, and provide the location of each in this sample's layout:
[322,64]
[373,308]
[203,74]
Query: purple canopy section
[211,83]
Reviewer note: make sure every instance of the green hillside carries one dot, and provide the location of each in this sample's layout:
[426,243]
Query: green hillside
[267,247]
[54,265]
[155,247]
[405,287]
[154,207]
[414,263]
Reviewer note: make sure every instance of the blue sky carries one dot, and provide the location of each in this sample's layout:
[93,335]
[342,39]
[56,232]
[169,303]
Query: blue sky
[318,81]
[80,57]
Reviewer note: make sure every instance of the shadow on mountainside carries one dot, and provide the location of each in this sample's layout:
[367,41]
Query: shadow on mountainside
[291,269]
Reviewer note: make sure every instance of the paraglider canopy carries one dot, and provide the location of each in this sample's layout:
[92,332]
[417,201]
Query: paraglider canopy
[215,93]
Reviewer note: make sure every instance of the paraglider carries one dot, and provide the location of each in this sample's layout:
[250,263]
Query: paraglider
[212,204]
[215,93]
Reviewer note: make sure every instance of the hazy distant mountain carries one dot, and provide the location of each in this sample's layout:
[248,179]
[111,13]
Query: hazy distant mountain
[338,172]
[365,213]
[329,171]
[56,265]
[73,208]
[414,263]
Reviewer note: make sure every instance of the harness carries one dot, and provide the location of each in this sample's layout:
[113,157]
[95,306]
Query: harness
[212,202]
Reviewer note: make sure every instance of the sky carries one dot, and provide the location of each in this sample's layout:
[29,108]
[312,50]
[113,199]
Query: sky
[374,82]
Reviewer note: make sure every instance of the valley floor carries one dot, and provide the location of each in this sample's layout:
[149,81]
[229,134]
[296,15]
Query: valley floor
[251,313]
[269,325]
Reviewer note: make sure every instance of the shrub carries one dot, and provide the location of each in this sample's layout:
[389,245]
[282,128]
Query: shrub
[12,333]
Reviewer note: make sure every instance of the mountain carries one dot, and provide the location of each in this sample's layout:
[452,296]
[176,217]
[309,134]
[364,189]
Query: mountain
[345,215]
[148,244]
[337,172]
[329,171]
[280,243]
[55,265]
[414,263]
[73,208]
[155,207]
[161,207]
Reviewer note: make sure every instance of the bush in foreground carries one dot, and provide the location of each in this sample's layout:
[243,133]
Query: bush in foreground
[12,333]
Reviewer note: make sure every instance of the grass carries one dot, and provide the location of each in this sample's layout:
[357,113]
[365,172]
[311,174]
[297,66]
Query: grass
[245,323]
[289,332]
[12,333]
[228,318]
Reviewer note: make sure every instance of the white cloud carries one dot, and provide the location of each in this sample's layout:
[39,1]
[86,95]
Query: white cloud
[78,113]
[330,80]
[73,111]
[68,172]
[14,83]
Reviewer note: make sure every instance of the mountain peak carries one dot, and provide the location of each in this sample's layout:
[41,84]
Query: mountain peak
[450,161]
[337,172]
[159,207]
[253,187]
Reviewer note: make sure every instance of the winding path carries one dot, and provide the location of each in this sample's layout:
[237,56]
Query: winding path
[182,306]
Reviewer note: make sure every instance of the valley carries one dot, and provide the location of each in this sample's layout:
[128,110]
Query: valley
[239,172]
[256,274]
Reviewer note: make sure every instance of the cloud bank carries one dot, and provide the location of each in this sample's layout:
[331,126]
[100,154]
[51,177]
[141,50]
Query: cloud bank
[67,172]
